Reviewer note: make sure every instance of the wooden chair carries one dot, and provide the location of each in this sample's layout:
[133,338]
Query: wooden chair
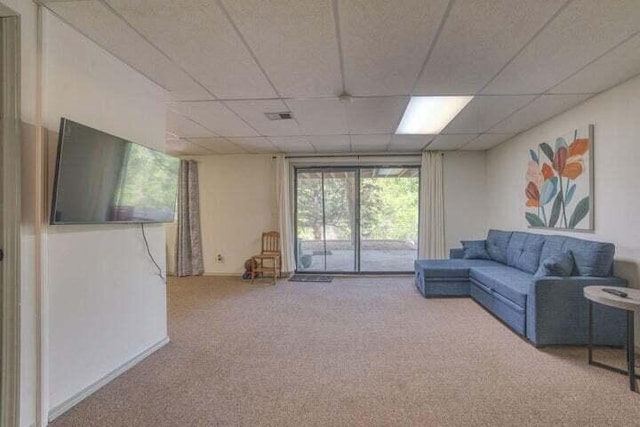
[271,254]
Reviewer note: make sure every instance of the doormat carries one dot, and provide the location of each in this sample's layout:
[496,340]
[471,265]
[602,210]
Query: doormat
[310,278]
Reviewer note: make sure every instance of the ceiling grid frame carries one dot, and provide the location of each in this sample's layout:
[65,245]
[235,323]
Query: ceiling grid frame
[336,21]
[246,45]
[540,30]
[366,118]
[594,60]
[193,78]
[150,43]
[443,21]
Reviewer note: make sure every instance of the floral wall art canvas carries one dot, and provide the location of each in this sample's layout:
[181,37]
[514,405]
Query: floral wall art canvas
[559,182]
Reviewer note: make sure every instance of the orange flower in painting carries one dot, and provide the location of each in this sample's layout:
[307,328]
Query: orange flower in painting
[574,165]
[547,172]
[579,147]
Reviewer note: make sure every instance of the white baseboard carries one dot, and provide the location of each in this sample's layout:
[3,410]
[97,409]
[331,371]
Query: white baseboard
[88,391]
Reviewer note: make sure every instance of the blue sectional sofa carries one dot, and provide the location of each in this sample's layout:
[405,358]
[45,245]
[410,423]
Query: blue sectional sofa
[512,281]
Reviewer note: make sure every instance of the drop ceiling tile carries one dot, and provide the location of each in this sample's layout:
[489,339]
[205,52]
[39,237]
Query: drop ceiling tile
[253,112]
[185,128]
[615,67]
[477,40]
[331,143]
[386,42]
[319,116]
[181,147]
[584,30]
[543,108]
[376,114]
[255,145]
[214,115]
[292,144]
[487,140]
[485,111]
[370,143]
[450,142]
[198,35]
[411,143]
[294,41]
[97,22]
[218,145]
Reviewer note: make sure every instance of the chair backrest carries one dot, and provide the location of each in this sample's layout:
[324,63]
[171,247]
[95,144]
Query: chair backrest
[271,242]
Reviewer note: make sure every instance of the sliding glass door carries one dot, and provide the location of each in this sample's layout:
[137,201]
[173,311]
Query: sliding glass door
[388,218]
[326,220]
[360,219]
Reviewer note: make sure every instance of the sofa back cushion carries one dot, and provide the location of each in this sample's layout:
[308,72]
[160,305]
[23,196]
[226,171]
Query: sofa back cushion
[560,265]
[497,242]
[475,249]
[590,258]
[523,251]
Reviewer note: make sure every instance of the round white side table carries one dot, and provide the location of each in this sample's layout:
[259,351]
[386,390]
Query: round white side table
[631,304]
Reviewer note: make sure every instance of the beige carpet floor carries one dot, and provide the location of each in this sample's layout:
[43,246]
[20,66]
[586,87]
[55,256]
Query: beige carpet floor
[355,352]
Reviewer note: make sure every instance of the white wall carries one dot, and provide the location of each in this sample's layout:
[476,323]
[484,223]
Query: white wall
[617,152]
[465,201]
[106,305]
[237,203]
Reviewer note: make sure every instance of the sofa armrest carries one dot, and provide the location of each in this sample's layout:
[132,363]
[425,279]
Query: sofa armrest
[557,312]
[456,253]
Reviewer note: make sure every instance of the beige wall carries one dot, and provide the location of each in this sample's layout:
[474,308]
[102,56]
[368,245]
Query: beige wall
[238,202]
[465,197]
[617,193]
[27,11]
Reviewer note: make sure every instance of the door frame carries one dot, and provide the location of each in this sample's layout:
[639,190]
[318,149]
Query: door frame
[11,216]
[347,167]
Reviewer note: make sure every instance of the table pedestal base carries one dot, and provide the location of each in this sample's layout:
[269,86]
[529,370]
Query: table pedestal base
[631,353]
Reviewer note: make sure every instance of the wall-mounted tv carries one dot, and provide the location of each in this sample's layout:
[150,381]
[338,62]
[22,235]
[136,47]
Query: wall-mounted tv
[101,178]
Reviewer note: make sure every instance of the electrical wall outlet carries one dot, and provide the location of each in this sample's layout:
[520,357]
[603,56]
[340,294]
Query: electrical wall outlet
[220,258]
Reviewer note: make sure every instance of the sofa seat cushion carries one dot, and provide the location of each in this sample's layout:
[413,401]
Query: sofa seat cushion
[451,268]
[509,282]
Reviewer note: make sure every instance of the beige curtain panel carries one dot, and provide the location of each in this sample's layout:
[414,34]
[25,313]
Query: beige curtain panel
[432,244]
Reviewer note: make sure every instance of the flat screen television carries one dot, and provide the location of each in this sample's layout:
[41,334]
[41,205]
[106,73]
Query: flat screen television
[102,179]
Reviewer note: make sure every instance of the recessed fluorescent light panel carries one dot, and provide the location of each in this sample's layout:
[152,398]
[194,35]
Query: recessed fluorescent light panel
[430,114]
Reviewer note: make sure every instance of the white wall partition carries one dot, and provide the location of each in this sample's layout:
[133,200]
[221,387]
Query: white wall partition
[106,304]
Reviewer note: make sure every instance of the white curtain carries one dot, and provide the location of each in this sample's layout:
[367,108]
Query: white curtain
[285,222]
[189,260]
[432,244]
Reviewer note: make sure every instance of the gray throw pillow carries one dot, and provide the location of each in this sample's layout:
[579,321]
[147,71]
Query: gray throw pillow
[560,265]
[475,249]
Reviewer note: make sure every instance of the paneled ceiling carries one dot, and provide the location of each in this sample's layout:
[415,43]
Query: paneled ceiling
[345,68]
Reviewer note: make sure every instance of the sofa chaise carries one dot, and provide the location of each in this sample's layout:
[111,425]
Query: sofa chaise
[519,278]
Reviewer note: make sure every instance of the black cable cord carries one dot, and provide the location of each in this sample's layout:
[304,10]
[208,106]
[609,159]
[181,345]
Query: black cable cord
[146,243]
